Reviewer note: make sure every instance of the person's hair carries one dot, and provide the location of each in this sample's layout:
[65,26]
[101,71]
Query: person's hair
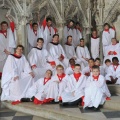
[77,65]
[59,66]
[82,39]
[77,23]
[95,67]
[107,25]
[50,71]
[48,19]
[4,22]
[21,46]
[71,21]
[55,35]
[115,58]
[69,36]
[40,39]
[107,60]
[97,59]
[71,59]
[115,39]
[34,24]
[91,59]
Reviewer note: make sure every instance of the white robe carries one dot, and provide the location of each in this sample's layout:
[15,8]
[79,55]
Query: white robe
[113,73]
[40,58]
[47,35]
[32,37]
[42,91]
[69,71]
[95,47]
[115,48]
[77,87]
[106,38]
[83,52]
[15,90]
[55,52]
[68,31]
[95,92]
[8,43]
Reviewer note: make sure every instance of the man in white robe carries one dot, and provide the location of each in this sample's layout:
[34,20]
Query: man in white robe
[57,52]
[69,30]
[112,50]
[48,31]
[40,60]
[107,35]
[17,76]
[113,73]
[78,82]
[107,65]
[8,41]
[95,45]
[96,90]
[82,53]
[33,33]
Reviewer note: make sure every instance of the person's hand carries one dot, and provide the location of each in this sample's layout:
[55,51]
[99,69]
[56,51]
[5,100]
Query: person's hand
[60,58]
[86,59]
[7,52]
[34,67]
[32,74]
[16,78]
[74,58]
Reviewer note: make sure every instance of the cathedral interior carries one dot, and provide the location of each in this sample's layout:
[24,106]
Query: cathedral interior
[91,14]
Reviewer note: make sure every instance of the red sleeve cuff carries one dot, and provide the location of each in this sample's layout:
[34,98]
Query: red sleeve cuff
[44,23]
[52,63]
[114,53]
[55,29]
[33,66]
[109,53]
[12,26]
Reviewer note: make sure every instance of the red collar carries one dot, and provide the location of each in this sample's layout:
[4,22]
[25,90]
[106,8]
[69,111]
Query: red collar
[35,32]
[46,80]
[77,76]
[106,30]
[61,76]
[94,37]
[72,67]
[115,67]
[95,77]
[68,44]
[4,32]
[16,56]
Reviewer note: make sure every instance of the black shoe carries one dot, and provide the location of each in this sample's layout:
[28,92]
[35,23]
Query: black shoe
[96,109]
[25,100]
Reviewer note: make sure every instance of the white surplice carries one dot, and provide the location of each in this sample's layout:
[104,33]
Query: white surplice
[95,47]
[40,58]
[83,52]
[96,92]
[69,71]
[9,43]
[55,52]
[114,73]
[15,90]
[76,86]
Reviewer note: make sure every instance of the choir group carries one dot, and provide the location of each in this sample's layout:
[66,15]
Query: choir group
[54,73]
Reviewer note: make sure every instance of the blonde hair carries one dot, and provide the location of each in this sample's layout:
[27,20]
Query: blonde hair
[59,66]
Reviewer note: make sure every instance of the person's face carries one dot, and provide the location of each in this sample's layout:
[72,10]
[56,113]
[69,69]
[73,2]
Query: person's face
[72,62]
[4,26]
[108,64]
[115,62]
[77,69]
[97,62]
[40,44]
[35,27]
[77,26]
[49,23]
[19,51]
[114,42]
[56,39]
[82,43]
[71,24]
[48,74]
[91,63]
[30,22]
[106,27]
[95,72]
[94,33]
[60,71]
[69,40]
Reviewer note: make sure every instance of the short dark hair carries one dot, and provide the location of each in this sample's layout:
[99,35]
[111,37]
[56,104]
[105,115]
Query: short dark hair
[34,24]
[71,59]
[71,21]
[115,58]
[4,22]
[40,39]
[69,36]
[77,65]
[48,19]
[91,59]
[107,25]
[98,59]
[77,23]
[95,67]
[82,39]
[21,46]
[107,60]
[55,35]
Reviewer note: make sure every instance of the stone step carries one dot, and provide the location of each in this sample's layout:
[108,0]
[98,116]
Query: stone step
[114,89]
[52,112]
